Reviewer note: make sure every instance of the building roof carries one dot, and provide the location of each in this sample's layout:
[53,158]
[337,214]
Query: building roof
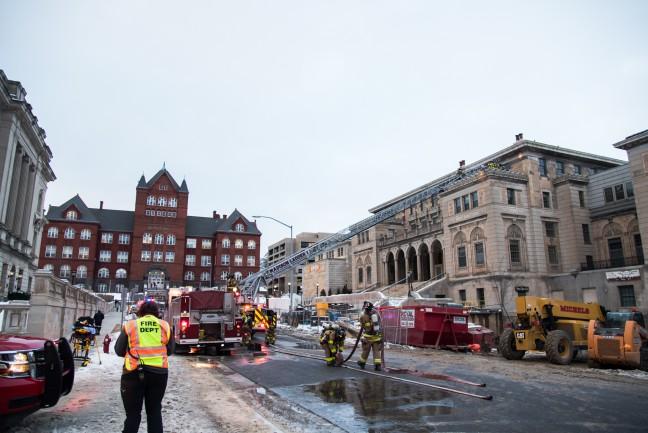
[227,225]
[502,154]
[633,140]
[85,213]
[115,220]
[201,226]
[144,184]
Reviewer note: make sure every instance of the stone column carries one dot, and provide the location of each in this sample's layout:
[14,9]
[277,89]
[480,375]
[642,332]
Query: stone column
[12,280]
[16,227]
[10,201]
[29,201]
[396,267]
[3,279]
[419,268]
[7,152]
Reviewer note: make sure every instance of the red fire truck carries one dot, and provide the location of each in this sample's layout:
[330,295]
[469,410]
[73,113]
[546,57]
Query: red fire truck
[206,319]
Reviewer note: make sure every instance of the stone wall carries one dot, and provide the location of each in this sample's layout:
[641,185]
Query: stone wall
[55,305]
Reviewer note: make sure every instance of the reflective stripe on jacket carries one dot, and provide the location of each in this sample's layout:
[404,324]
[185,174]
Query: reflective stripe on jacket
[147,340]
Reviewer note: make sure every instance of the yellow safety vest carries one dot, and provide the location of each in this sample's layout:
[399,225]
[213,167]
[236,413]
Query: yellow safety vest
[147,340]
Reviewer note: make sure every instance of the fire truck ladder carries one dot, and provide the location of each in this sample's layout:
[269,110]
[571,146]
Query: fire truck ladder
[266,274]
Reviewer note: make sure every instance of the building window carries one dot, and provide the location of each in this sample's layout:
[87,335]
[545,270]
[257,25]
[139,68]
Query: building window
[49,267]
[105,255]
[542,166]
[65,271]
[173,202]
[461,256]
[191,243]
[69,233]
[550,229]
[147,238]
[102,287]
[340,252]
[205,276]
[146,256]
[81,272]
[52,232]
[609,194]
[170,257]
[360,274]
[122,256]
[615,249]
[67,252]
[160,213]
[226,243]
[162,201]
[618,192]
[190,260]
[251,245]
[103,273]
[553,254]
[480,297]
[581,198]
[238,260]
[462,295]
[479,254]
[121,274]
[586,234]
[106,238]
[510,196]
[164,187]
[238,243]
[159,239]
[629,189]
[157,256]
[457,205]
[589,260]
[171,240]
[577,169]
[368,272]
[546,199]
[189,276]
[205,261]
[225,259]
[124,239]
[514,250]
[251,260]
[627,296]
[239,227]
[238,276]
[50,251]
[329,254]
[86,234]
[84,253]
[466,202]
[474,199]
[560,168]
[206,244]
[171,214]
[71,215]
[150,200]
[224,276]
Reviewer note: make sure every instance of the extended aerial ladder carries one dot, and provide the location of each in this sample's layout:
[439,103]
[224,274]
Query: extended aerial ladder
[267,273]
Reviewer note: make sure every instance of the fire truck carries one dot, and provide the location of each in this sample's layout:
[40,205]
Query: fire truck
[207,319]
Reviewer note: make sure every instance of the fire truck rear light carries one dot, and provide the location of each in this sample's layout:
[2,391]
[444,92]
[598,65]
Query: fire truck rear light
[184,323]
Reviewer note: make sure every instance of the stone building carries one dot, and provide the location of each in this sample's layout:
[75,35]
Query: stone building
[330,272]
[562,222]
[24,173]
[154,247]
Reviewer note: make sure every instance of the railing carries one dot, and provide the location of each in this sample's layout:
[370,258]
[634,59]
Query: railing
[410,234]
[617,262]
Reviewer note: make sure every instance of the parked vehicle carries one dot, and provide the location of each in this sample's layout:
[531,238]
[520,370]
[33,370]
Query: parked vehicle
[620,340]
[34,373]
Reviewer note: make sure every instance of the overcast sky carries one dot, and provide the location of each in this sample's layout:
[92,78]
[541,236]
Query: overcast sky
[313,112]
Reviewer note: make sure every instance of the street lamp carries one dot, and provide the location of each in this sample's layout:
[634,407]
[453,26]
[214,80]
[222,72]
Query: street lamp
[290,297]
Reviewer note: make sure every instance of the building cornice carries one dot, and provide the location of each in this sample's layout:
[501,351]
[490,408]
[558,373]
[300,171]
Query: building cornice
[633,140]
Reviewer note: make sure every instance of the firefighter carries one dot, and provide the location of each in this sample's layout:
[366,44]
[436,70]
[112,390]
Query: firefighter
[248,319]
[371,336]
[327,341]
[271,335]
[145,343]
[340,336]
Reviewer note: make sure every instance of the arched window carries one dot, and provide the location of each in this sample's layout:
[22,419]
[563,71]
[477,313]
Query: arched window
[69,233]
[189,276]
[71,215]
[121,273]
[459,243]
[173,202]
[360,275]
[171,240]
[477,239]
[205,276]
[147,238]
[251,245]
[238,276]
[52,232]
[81,271]
[162,201]
[238,243]
[159,239]
[103,273]
[226,243]
[514,236]
[150,200]
[65,271]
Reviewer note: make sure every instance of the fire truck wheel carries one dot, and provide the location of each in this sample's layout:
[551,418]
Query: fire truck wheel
[559,347]
[180,349]
[507,346]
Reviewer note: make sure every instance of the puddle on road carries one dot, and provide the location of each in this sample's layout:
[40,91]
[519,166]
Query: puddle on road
[310,346]
[374,404]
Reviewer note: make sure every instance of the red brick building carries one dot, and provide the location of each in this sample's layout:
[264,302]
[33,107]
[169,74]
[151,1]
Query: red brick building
[156,246]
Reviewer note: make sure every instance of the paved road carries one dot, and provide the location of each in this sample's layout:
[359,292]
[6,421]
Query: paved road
[528,396]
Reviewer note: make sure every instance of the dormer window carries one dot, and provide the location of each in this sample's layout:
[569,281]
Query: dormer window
[71,215]
[239,227]
[164,187]
[150,200]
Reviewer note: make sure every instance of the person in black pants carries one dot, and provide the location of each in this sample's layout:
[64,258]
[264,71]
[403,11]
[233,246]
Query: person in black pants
[145,373]
[98,320]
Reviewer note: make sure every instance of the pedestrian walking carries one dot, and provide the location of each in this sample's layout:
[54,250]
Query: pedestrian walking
[98,320]
[145,343]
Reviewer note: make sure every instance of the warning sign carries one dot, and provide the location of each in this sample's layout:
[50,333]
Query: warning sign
[407,318]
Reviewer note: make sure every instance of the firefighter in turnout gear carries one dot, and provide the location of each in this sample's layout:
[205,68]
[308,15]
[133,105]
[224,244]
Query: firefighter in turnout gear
[332,341]
[145,344]
[271,335]
[371,336]
[248,323]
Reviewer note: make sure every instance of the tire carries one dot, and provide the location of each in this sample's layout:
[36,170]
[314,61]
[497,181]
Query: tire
[593,364]
[559,347]
[507,346]
[643,358]
[180,349]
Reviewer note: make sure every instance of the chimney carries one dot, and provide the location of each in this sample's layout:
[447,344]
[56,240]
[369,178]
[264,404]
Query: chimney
[224,216]
[101,204]
[519,137]
[215,215]
[462,163]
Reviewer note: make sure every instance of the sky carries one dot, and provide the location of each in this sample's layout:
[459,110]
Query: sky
[315,111]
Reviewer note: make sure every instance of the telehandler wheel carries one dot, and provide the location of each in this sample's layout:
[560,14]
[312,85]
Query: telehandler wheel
[507,346]
[559,347]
